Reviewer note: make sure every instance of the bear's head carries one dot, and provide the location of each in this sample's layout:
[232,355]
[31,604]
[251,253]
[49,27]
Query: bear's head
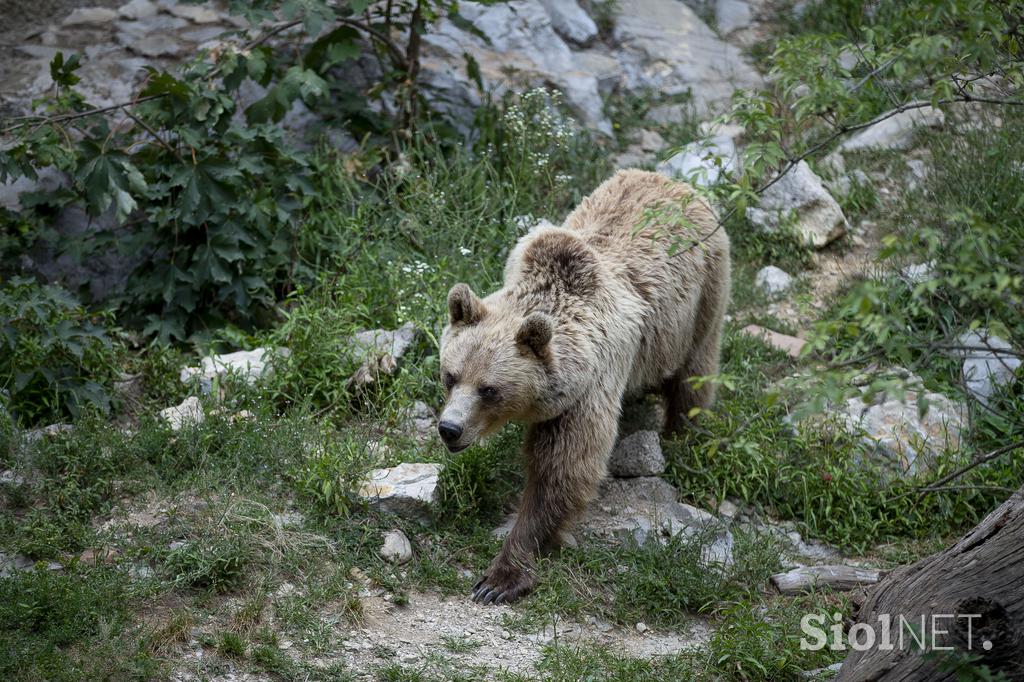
[494,366]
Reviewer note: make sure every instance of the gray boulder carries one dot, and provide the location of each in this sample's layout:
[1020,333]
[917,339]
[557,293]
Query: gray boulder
[635,509]
[989,364]
[772,280]
[799,196]
[379,350]
[638,454]
[247,365]
[702,163]
[570,21]
[907,442]
[895,132]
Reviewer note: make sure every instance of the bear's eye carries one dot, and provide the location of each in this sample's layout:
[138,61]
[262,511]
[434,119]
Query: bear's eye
[449,380]
[488,392]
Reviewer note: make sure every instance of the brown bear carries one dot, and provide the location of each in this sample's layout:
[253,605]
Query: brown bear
[628,295]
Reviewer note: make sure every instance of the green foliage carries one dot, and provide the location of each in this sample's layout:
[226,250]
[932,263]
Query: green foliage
[330,476]
[49,619]
[218,565]
[56,360]
[476,483]
[211,197]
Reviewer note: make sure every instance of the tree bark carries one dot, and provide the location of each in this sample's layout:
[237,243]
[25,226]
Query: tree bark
[969,594]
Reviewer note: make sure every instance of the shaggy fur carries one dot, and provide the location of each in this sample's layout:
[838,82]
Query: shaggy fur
[590,312]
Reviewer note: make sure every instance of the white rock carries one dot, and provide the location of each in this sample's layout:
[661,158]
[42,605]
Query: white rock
[570,21]
[800,196]
[50,431]
[732,15]
[702,163]
[396,548]
[641,627]
[834,163]
[638,454]
[772,280]
[603,67]
[895,132]
[420,421]
[989,363]
[188,413]
[90,16]
[916,273]
[893,428]
[407,490]
[194,13]
[247,365]
[666,47]
[151,45]
[138,9]
[380,350]
[844,184]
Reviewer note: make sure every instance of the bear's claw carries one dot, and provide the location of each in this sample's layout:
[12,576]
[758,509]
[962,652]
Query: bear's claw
[492,590]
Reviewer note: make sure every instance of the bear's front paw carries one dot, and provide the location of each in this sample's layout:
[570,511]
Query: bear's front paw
[502,584]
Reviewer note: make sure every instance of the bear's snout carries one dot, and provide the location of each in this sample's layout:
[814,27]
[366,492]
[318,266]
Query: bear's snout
[450,434]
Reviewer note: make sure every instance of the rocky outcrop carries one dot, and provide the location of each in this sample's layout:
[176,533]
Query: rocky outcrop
[799,198]
[666,47]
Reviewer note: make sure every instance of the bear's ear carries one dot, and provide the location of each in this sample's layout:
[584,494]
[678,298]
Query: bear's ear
[463,306]
[535,332]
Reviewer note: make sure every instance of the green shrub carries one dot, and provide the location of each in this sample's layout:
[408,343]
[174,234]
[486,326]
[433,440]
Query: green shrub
[56,360]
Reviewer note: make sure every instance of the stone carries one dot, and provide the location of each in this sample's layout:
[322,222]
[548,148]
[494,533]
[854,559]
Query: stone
[808,578]
[892,428]
[989,364]
[650,141]
[12,563]
[157,23]
[247,365]
[605,68]
[790,345]
[702,163]
[570,21]
[9,477]
[664,46]
[407,490]
[638,454]
[728,509]
[138,9]
[151,45]
[916,273]
[420,421]
[396,548]
[195,13]
[669,114]
[47,180]
[732,15]
[917,173]
[50,431]
[379,350]
[844,184]
[772,280]
[834,163]
[188,413]
[895,132]
[635,509]
[90,16]
[799,196]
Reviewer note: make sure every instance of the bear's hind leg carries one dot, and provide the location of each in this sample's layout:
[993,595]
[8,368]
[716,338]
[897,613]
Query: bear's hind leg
[681,393]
